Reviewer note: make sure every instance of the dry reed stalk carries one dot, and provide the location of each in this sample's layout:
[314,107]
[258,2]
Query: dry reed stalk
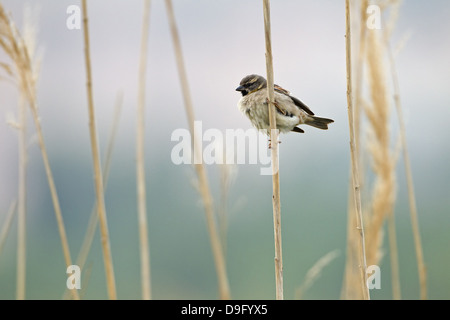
[350,289]
[204,189]
[359,73]
[223,208]
[354,161]
[85,281]
[383,160]
[393,248]
[274,133]
[393,252]
[107,258]
[22,202]
[7,224]
[227,174]
[25,72]
[409,179]
[140,160]
[93,220]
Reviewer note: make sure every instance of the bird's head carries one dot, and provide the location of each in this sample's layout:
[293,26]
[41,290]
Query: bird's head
[251,84]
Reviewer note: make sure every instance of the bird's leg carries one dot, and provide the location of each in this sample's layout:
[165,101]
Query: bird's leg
[276,106]
[281,111]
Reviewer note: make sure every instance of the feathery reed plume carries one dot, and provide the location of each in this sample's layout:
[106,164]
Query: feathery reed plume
[377,111]
[314,273]
[274,156]
[140,160]
[93,220]
[383,164]
[383,159]
[354,161]
[25,72]
[107,258]
[205,192]
[7,224]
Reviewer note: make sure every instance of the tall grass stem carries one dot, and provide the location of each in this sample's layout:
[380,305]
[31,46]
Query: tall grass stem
[22,202]
[205,192]
[410,183]
[354,159]
[7,224]
[107,257]
[276,203]
[140,159]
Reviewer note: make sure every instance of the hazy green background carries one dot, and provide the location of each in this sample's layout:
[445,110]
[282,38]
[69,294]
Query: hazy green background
[222,42]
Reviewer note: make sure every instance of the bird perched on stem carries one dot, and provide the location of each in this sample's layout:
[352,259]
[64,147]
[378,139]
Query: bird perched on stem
[291,112]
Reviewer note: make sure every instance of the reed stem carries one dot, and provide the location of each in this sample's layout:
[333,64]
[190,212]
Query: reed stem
[22,206]
[274,133]
[140,160]
[7,224]
[205,192]
[354,160]
[409,179]
[107,258]
[93,220]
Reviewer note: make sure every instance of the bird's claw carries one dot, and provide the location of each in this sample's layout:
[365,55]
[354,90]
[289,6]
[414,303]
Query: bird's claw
[270,143]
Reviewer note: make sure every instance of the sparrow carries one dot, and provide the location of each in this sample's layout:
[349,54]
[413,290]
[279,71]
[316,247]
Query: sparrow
[291,112]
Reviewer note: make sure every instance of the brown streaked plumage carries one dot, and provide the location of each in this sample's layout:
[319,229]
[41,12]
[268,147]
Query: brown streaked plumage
[291,112]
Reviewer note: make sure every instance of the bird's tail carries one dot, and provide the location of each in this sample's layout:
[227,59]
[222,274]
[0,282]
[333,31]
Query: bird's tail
[321,123]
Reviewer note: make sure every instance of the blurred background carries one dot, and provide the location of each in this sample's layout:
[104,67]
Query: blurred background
[222,41]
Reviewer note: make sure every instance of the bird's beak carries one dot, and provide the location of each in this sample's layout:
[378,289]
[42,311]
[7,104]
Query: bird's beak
[240,88]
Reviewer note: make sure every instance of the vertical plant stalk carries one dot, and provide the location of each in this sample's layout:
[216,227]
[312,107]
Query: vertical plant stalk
[359,74]
[16,48]
[54,194]
[226,177]
[350,290]
[22,206]
[21,212]
[107,258]
[388,172]
[140,160]
[205,192]
[93,220]
[92,225]
[274,133]
[7,224]
[411,195]
[354,160]
[393,250]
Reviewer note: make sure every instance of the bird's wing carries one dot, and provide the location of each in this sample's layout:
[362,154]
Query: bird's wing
[280,89]
[302,106]
[296,101]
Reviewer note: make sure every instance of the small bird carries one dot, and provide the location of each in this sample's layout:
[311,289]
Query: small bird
[291,112]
